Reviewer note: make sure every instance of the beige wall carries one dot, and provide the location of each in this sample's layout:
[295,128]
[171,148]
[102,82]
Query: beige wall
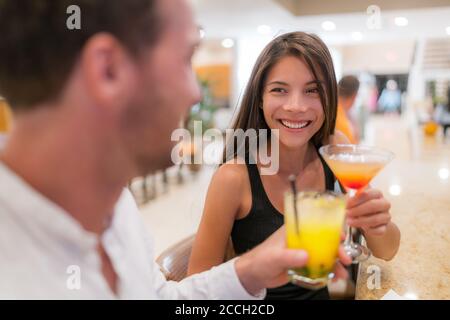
[378,58]
[307,7]
[211,52]
[212,63]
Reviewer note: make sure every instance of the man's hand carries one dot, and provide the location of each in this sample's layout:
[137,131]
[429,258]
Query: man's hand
[369,210]
[266,265]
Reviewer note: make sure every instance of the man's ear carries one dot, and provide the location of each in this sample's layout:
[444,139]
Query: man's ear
[108,70]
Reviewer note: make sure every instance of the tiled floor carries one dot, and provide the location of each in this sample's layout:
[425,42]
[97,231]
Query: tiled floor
[176,214]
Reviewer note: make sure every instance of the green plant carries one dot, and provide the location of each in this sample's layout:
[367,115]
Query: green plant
[204,110]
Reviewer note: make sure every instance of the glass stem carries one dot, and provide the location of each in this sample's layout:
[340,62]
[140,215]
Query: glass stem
[349,235]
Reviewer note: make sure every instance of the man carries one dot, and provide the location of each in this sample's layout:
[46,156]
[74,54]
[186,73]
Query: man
[442,114]
[348,88]
[95,107]
[390,100]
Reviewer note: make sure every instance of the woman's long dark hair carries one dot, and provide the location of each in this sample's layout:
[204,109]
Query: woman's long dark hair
[310,49]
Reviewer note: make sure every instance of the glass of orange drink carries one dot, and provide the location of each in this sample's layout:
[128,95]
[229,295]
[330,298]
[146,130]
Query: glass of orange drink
[314,226]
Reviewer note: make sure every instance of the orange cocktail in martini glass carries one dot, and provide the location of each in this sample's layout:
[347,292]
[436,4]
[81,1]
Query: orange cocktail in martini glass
[355,166]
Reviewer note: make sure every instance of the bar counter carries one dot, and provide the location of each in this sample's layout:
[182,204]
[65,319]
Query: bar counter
[418,185]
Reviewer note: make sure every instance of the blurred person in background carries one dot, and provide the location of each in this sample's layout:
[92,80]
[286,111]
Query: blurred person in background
[348,88]
[391,98]
[442,113]
[5,122]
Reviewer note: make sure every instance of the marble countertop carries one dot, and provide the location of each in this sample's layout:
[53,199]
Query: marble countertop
[417,183]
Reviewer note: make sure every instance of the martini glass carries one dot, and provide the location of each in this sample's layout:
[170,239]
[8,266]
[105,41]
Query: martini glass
[355,166]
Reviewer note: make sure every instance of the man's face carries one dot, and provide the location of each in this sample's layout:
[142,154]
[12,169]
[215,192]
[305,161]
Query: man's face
[166,89]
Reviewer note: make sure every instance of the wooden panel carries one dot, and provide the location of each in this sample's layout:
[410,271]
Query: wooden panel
[306,7]
[218,77]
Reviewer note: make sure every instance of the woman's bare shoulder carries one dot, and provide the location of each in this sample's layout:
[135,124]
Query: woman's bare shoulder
[231,173]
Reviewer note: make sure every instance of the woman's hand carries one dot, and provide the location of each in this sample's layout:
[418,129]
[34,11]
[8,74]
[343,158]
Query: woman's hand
[369,211]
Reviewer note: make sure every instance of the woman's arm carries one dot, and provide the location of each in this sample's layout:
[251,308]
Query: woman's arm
[222,204]
[369,211]
[385,242]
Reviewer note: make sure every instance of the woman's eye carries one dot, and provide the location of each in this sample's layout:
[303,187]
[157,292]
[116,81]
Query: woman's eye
[313,90]
[278,90]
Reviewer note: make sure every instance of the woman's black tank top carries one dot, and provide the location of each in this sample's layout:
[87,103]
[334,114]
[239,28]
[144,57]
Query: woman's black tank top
[263,220]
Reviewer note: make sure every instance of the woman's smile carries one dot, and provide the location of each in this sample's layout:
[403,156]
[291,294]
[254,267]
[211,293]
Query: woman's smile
[295,125]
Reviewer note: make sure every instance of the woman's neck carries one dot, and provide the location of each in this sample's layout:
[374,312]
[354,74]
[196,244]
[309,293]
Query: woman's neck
[294,160]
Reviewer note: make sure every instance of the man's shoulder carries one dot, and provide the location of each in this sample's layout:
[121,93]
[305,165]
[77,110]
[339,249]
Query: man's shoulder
[16,241]
[11,229]
[128,221]
[21,265]
[126,211]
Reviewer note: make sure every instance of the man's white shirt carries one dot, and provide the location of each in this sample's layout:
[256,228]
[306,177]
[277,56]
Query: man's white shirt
[46,254]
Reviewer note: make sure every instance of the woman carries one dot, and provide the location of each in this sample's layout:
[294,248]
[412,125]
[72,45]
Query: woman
[293,89]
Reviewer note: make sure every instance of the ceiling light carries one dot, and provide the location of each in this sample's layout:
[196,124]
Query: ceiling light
[328,25]
[401,21]
[264,29]
[447,30]
[227,43]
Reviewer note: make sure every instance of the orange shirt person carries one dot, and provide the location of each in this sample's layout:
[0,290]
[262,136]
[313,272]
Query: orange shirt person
[5,122]
[347,90]
[5,117]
